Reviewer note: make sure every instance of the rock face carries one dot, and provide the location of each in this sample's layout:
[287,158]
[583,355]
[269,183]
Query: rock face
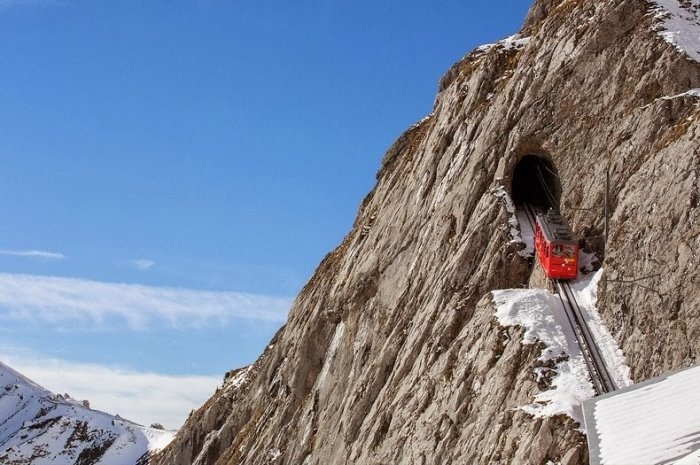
[391,354]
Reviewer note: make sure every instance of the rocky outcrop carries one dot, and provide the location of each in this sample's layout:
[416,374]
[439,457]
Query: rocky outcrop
[391,353]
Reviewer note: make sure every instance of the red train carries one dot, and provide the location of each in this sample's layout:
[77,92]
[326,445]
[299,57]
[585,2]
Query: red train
[556,246]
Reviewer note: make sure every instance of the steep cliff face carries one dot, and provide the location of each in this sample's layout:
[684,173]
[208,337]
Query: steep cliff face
[392,353]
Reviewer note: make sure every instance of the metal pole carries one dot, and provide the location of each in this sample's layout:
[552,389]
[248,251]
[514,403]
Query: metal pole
[605,207]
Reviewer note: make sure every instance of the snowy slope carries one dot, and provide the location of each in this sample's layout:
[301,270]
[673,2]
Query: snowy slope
[680,24]
[40,428]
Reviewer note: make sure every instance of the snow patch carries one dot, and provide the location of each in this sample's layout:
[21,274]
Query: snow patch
[538,311]
[158,439]
[502,194]
[519,227]
[527,235]
[514,42]
[680,24]
[274,454]
[541,314]
[236,381]
[422,120]
[690,93]
[585,291]
[587,262]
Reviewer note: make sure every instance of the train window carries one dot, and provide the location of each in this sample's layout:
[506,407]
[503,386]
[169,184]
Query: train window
[561,250]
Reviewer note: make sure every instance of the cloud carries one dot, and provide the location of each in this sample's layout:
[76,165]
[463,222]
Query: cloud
[142,264]
[137,396]
[70,303]
[41,254]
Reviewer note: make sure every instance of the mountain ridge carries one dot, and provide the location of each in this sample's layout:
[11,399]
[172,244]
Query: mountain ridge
[38,427]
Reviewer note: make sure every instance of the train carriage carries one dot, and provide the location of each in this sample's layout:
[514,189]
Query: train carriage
[556,246]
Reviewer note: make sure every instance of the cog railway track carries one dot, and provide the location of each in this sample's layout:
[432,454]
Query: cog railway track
[600,376]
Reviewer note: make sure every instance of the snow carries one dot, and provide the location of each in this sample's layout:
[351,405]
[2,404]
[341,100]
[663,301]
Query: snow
[541,315]
[669,430]
[518,224]
[158,439]
[502,194]
[274,454]
[585,291]
[422,120]
[513,42]
[40,428]
[680,24]
[527,235]
[690,93]
[539,312]
[240,377]
[587,261]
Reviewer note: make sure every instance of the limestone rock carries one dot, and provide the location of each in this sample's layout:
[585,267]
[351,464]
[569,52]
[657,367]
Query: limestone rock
[391,354]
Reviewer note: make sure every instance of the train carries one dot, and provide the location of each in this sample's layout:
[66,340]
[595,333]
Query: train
[557,248]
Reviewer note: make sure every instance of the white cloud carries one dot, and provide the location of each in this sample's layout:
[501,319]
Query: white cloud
[137,396]
[142,264]
[41,254]
[69,303]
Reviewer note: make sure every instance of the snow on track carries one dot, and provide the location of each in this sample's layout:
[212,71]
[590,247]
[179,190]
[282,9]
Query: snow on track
[541,314]
[585,293]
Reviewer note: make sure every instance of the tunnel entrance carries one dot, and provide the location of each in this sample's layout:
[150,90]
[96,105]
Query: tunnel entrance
[536,181]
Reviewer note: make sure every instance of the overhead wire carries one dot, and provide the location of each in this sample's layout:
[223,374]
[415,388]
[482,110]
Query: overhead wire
[545,188]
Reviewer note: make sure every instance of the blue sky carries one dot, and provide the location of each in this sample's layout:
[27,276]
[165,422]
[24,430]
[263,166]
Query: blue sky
[204,151]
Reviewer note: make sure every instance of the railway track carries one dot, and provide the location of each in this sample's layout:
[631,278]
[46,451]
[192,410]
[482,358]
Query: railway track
[600,376]
[531,213]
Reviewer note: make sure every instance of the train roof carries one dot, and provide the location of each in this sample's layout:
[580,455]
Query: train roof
[555,228]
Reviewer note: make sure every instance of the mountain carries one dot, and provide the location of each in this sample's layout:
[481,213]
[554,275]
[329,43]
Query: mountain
[393,353]
[38,427]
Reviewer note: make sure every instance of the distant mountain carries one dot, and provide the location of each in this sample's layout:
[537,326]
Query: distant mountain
[38,427]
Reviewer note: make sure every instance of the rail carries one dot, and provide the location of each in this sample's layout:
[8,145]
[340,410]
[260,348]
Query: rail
[600,376]
[531,214]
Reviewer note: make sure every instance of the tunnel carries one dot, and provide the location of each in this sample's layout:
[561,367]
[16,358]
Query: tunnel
[536,181]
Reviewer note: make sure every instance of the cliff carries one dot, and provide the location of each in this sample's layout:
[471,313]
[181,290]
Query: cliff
[392,353]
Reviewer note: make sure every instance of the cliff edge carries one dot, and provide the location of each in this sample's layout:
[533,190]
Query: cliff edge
[392,353]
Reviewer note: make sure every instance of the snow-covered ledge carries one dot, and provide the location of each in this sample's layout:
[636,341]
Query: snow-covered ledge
[540,313]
